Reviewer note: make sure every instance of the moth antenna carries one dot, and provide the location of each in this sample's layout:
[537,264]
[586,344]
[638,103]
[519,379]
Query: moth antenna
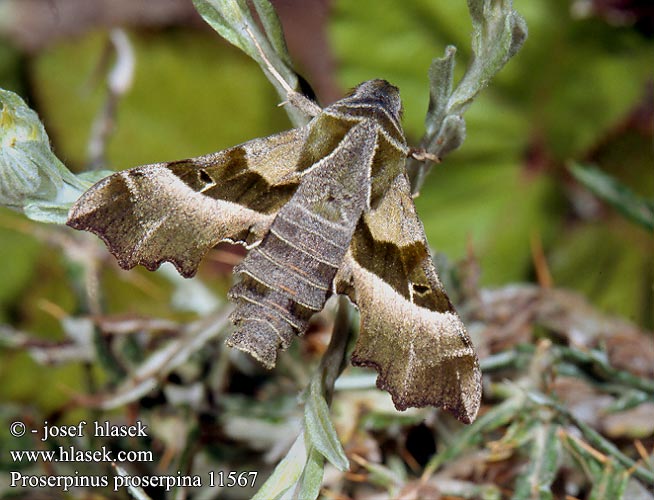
[295,98]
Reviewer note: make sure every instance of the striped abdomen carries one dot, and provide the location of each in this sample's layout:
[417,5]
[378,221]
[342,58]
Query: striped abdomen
[286,279]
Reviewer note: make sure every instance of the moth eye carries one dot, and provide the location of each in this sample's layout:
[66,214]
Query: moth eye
[205,177]
[420,289]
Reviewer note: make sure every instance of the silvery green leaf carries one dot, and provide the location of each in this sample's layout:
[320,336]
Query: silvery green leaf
[229,18]
[299,474]
[311,479]
[32,178]
[319,427]
[612,483]
[383,476]
[498,33]
[273,28]
[233,20]
[441,75]
[286,474]
[451,135]
[22,137]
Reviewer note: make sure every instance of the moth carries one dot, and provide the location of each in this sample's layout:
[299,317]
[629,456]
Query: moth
[323,209]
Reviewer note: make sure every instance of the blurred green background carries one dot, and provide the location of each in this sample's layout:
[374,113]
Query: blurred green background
[579,90]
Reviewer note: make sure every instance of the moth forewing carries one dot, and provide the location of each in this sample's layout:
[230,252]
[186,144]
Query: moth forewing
[177,211]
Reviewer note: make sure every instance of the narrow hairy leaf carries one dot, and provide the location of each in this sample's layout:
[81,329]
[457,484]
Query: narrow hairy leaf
[286,474]
[599,442]
[273,28]
[608,477]
[623,199]
[383,476]
[496,417]
[498,33]
[441,75]
[320,430]
[445,132]
[311,480]
[610,483]
[536,480]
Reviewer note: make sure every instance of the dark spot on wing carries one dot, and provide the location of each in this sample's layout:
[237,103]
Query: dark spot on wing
[205,177]
[421,289]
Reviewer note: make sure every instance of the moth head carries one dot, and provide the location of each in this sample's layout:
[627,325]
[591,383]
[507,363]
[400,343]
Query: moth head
[382,93]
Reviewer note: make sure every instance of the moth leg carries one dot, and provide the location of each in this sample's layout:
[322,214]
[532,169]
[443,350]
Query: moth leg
[421,154]
[300,101]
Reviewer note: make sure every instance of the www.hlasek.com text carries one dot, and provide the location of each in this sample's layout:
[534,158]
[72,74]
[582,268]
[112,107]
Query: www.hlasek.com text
[73,454]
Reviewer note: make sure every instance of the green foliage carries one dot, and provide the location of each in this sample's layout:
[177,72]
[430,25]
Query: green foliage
[32,178]
[289,471]
[635,208]
[498,34]
[321,429]
[22,251]
[544,454]
[234,21]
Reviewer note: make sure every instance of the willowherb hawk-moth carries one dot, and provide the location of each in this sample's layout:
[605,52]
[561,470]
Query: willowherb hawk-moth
[323,209]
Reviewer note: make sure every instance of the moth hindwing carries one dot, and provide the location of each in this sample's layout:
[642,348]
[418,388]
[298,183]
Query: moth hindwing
[325,208]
